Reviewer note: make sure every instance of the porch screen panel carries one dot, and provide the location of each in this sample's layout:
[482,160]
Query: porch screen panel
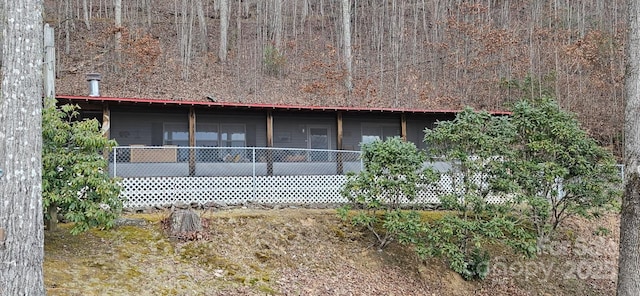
[295,130]
[251,135]
[372,132]
[368,127]
[177,134]
[415,131]
[390,132]
[207,135]
[142,126]
[252,124]
[233,135]
[416,125]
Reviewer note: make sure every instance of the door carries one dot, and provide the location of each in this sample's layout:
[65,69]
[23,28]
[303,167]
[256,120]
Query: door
[318,139]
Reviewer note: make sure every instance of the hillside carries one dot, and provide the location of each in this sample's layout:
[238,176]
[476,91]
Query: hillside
[296,251]
[435,54]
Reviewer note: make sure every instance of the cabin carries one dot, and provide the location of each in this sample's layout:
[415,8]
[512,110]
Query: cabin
[203,151]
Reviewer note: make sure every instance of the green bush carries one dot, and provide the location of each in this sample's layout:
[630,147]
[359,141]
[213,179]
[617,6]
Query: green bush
[558,168]
[513,179]
[538,162]
[391,176]
[475,145]
[75,173]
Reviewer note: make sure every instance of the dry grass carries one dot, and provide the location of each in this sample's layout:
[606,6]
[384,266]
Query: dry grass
[304,252]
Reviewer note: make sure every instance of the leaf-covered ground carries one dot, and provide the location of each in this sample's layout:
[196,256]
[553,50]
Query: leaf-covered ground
[309,252]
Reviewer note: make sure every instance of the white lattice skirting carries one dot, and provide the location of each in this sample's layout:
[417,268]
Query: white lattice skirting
[161,191]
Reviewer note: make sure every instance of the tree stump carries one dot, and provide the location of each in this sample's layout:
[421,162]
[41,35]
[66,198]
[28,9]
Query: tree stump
[183,222]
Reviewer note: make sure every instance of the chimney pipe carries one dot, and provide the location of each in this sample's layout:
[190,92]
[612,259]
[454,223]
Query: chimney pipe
[94,84]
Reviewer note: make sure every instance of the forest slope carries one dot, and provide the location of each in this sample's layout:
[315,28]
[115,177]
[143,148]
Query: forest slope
[437,54]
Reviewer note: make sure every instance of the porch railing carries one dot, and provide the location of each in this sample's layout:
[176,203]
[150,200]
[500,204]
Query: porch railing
[166,175]
[161,176]
[173,161]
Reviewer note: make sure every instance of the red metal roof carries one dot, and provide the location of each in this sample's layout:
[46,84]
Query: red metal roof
[257,106]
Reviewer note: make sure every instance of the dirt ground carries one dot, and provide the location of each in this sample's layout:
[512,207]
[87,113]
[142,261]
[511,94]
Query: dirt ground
[309,252]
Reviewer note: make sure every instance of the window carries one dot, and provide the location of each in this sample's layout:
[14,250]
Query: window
[232,135]
[207,135]
[372,132]
[176,134]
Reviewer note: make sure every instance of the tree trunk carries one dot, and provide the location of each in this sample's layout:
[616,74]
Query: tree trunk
[21,225]
[305,10]
[118,36]
[85,10]
[224,28]
[2,18]
[67,27]
[629,260]
[147,8]
[202,22]
[52,222]
[49,62]
[346,34]
[277,26]
[185,35]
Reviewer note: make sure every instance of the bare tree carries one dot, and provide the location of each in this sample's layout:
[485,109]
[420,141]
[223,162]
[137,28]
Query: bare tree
[397,28]
[118,36]
[85,10]
[202,22]
[305,9]
[21,220]
[277,26]
[184,26]
[67,27]
[346,34]
[629,260]
[147,6]
[224,28]
[2,17]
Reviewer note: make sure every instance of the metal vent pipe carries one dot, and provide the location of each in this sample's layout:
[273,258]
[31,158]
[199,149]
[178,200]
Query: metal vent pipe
[94,84]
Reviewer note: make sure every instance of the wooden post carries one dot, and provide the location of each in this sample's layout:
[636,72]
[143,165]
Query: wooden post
[269,143]
[192,141]
[106,128]
[2,238]
[339,164]
[49,62]
[106,120]
[403,126]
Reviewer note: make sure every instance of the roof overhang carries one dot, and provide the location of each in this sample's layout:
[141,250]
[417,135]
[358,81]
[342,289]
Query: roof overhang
[230,105]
